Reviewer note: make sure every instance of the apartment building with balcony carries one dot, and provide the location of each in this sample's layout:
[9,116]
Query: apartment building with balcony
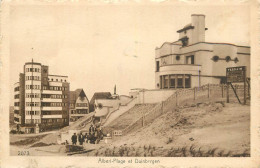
[41,100]
[79,105]
[192,62]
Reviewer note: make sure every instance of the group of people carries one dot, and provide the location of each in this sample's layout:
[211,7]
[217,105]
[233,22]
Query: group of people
[93,137]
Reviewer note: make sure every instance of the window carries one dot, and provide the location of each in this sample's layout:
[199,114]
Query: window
[228,58]
[187,81]
[157,66]
[223,80]
[236,60]
[166,81]
[190,59]
[184,41]
[172,81]
[215,58]
[28,121]
[16,119]
[180,81]
[17,88]
[178,57]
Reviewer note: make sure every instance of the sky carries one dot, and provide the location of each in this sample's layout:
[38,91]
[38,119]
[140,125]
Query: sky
[101,46]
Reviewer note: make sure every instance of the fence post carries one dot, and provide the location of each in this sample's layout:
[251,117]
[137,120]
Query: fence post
[208,90]
[222,90]
[194,93]
[176,98]
[227,92]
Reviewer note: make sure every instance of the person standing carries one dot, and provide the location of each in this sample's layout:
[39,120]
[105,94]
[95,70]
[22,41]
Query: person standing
[81,139]
[99,134]
[91,129]
[74,139]
[86,138]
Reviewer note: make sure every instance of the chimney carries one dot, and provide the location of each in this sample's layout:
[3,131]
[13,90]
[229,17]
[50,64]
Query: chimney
[198,33]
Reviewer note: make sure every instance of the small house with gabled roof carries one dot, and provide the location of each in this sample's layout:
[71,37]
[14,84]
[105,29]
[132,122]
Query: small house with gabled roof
[79,105]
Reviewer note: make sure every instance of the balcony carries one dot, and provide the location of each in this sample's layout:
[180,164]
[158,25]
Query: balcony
[180,69]
[78,115]
[51,116]
[17,115]
[51,100]
[51,92]
[51,108]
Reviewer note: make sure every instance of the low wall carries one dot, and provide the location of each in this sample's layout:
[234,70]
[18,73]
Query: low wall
[121,110]
[152,96]
[186,96]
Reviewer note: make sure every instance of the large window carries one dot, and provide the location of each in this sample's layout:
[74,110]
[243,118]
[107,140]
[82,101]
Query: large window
[179,81]
[166,81]
[172,81]
[175,81]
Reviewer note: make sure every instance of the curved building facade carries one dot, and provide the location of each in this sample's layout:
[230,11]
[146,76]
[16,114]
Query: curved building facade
[192,62]
[41,100]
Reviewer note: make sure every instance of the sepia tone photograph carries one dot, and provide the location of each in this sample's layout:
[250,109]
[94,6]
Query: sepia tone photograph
[199,105]
[129,81]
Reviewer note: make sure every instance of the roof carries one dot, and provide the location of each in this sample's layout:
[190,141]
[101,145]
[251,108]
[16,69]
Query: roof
[187,27]
[58,75]
[100,95]
[36,63]
[75,94]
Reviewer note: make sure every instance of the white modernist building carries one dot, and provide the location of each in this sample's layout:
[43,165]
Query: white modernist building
[192,62]
[41,100]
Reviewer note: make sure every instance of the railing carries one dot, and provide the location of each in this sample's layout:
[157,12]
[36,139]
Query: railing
[184,96]
[109,114]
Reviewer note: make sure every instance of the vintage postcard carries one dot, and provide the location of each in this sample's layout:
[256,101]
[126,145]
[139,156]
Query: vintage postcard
[129,84]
